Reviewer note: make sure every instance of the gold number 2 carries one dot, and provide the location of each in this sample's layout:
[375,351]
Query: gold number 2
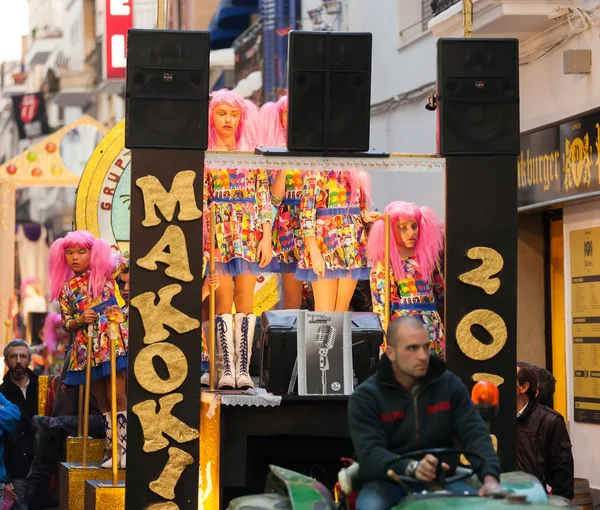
[492,264]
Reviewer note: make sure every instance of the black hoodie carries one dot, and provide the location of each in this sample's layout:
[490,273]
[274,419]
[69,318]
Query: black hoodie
[387,421]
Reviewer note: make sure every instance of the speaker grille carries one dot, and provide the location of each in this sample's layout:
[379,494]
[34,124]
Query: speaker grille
[478,97]
[167,89]
[329,84]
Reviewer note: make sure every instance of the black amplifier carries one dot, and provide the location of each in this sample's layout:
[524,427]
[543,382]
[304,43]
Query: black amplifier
[279,343]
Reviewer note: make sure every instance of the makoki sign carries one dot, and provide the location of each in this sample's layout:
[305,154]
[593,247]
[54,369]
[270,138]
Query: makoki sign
[119,19]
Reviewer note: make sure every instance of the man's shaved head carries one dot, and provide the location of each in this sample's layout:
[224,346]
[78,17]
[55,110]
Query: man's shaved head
[398,329]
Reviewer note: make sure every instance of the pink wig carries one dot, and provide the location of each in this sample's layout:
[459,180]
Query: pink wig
[272,133]
[244,135]
[253,121]
[101,268]
[429,243]
[26,282]
[51,324]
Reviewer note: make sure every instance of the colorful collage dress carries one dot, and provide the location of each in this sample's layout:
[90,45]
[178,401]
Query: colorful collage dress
[329,212]
[287,238]
[74,299]
[412,296]
[242,204]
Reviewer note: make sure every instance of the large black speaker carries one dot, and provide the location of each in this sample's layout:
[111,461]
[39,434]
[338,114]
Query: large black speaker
[167,89]
[280,340]
[329,79]
[478,97]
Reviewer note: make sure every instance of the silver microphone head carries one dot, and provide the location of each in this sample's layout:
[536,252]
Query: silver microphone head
[325,337]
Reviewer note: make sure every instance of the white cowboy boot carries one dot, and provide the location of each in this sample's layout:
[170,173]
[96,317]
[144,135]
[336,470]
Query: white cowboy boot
[244,338]
[225,349]
[106,423]
[122,438]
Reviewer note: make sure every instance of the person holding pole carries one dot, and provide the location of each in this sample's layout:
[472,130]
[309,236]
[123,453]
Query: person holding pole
[415,276]
[81,278]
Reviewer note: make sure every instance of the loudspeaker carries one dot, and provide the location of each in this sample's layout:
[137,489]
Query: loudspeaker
[478,97]
[279,348]
[167,89]
[329,97]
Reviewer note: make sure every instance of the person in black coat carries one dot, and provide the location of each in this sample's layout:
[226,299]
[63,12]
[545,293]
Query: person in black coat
[543,442]
[413,403]
[20,387]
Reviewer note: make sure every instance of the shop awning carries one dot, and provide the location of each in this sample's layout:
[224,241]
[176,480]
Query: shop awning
[231,18]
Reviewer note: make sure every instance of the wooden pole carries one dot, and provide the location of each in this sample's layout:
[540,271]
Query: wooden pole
[386,308]
[88,384]
[211,302]
[163,15]
[113,402]
[80,411]
[467,9]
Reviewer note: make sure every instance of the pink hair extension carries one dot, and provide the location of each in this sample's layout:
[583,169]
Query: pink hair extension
[429,244]
[25,283]
[51,324]
[101,268]
[272,133]
[244,134]
[253,122]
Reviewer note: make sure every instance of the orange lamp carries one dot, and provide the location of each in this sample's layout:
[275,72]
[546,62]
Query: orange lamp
[485,393]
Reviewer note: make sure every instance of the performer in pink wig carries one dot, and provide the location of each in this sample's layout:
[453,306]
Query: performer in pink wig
[286,190]
[242,246]
[415,274]
[56,342]
[81,276]
[333,214]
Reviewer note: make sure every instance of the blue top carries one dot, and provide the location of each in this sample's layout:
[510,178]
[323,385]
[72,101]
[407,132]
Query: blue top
[9,417]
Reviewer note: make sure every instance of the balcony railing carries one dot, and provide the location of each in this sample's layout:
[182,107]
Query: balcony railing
[438,6]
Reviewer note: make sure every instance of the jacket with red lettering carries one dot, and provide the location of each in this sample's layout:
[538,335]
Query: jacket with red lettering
[387,421]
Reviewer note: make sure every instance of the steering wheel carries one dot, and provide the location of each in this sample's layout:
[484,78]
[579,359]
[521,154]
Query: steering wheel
[440,454]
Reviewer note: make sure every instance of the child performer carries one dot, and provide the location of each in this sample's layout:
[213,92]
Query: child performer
[415,275]
[286,190]
[81,276]
[333,213]
[243,220]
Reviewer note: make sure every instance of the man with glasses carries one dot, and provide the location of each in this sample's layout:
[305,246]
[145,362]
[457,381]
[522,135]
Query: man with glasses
[20,387]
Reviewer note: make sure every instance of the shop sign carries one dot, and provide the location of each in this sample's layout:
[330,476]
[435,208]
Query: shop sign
[560,162]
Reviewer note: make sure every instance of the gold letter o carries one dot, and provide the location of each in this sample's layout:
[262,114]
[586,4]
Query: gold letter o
[472,347]
[145,374]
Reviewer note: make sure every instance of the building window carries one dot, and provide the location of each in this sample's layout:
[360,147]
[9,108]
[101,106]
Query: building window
[413,17]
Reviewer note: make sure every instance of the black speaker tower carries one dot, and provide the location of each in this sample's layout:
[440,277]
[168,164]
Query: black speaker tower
[478,134]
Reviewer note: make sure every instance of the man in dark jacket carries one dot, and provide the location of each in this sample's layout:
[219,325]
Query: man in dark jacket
[543,443]
[20,387]
[413,403]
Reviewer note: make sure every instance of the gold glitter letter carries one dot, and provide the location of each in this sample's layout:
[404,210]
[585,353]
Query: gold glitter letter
[176,258]
[472,347]
[164,486]
[163,506]
[156,317]
[182,193]
[156,424]
[492,263]
[146,375]
[496,380]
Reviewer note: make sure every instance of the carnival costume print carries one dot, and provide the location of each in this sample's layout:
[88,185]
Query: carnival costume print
[74,299]
[412,296]
[331,211]
[242,204]
[287,236]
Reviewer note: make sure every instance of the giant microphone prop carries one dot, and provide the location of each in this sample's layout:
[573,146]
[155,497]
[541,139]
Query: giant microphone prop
[324,340]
